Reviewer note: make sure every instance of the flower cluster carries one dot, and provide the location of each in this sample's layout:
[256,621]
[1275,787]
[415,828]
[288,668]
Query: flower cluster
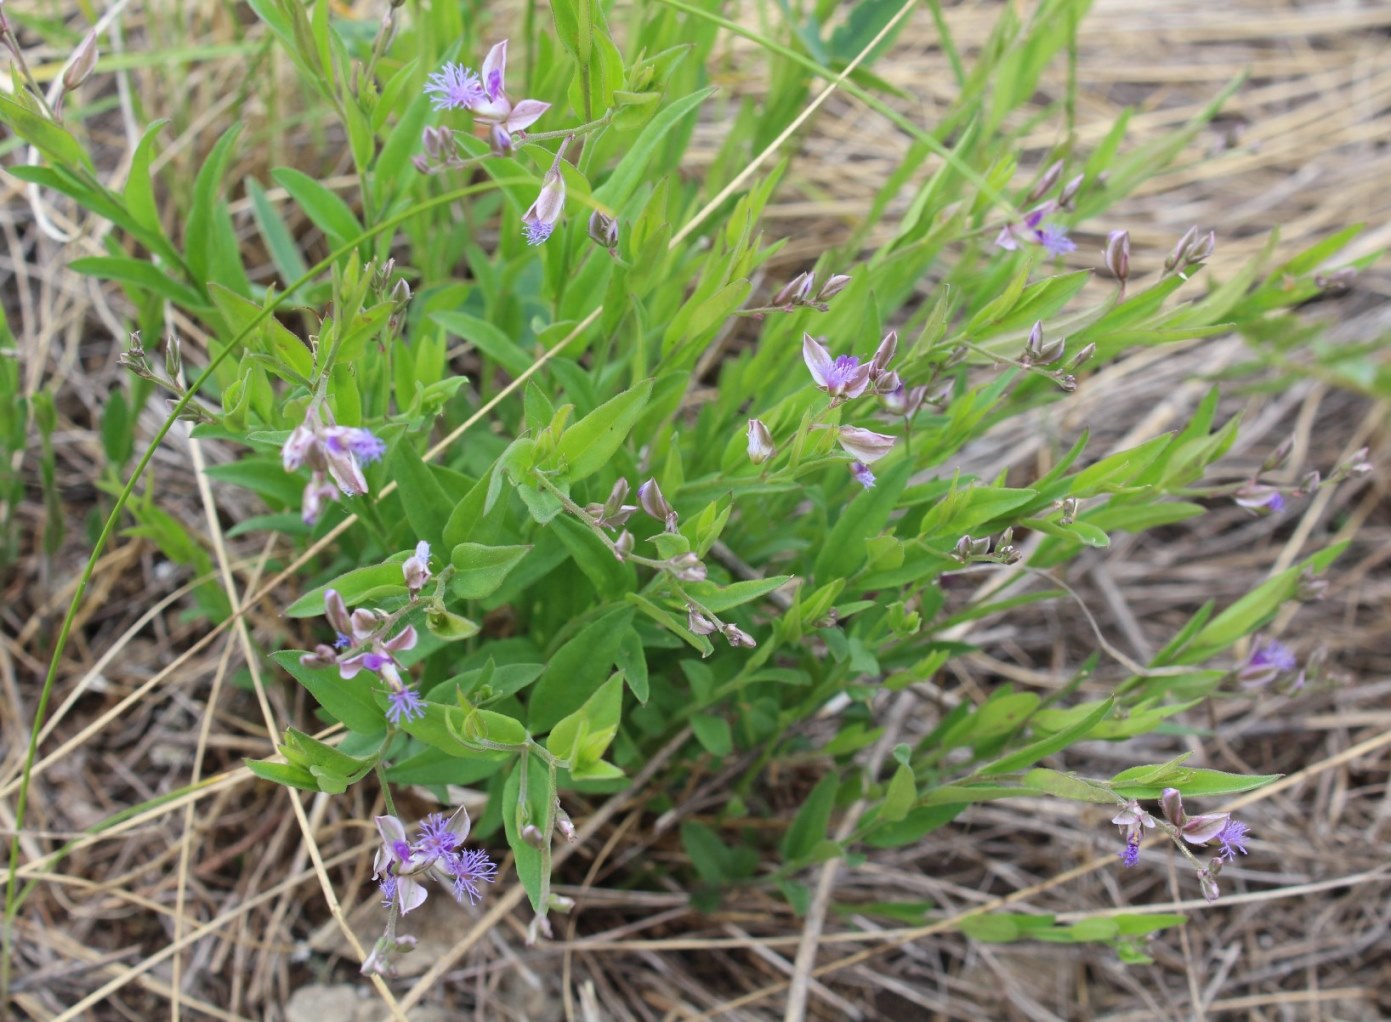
[845,378]
[1037,230]
[456,87]
[1201,830]
[364,644]
[801,292]
[437,853]
[329,451]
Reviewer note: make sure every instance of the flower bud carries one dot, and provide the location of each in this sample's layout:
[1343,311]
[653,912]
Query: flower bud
[883,355]
[834,286]
[532,835]
[651,500]
[416,568]
[687,567]
[1338,282]
[795,291]
[1066,382]
[761,446]
[173,360]
[323,656]
[738,637]
[1033,347]
[1046,182]
[1070,191]
[84,62]
[697,623]
[565,825]
[1069,508]
[1052,351]
[1118,255]
[1082,356]
[539,221]
[1180,252]
[603,230]
[401,293]
[500,140]
[1310,588]
[888,383]
[1277,457]
[623,545]
[1202,249]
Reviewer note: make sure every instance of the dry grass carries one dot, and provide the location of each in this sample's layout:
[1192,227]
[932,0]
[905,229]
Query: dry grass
[226,895]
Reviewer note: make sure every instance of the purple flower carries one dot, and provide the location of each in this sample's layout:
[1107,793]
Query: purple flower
[416,568]
[366,445]
[1132,821]
[436,838]
[405,704]
[437,853]
[537,231]
[342,642]
[841,378]
[862,474]
[1054,240]
[1259,498]
[1268,661]
[1232,838]
[470,867]
[539,221]
[455,87]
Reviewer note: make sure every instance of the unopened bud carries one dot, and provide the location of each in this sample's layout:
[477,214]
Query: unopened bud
[1277,457]
[173,359]
[687,567]
[957,356]
[833,286]
[1338,282]
[883,354]
[1066,381]
[532,835]
[795,291]
[565,825]
[888,383]
[1180,252]
[401,294]
[1033,347]
[738,637]
[1358,463]
[1069,508]
[1310,588]
[1202,249]
[1052,351]
[84,62]
[500,140]
[1082,356]
[651,499]
[1118,255]
[1070,191]
[603,230]
[416,568]
[761,446]
[623,545]
[1046,182]
[697,623]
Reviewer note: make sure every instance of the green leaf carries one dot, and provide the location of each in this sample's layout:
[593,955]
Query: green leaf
[423,497]
[53,140]
[631,170]
[632,661]
[610,576]
[1193,782]
[283,773]
[812,821]
[589,444]
[480,570]
[348,700]
[489,339]
[361,585]
[584,736]
[718,599]
[900,795]
[713,734]
[328,212]
[210,241]
[577,668]
[1031,754]
[538,808]
[140,274]
[843,552]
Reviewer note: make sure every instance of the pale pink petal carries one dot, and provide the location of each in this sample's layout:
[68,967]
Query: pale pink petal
[525,114]
[817,358]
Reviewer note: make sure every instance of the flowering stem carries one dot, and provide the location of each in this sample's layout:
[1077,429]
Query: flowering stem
[386,794]
[581,129]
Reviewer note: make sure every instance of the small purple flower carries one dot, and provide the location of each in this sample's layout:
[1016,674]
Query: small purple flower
[455,87]
[862,474]
[470,867]
[388,886]
[1232,838]
[1259,499]
[841,378]
[537,231]
[437,839]
[1268,661]
[406,704]
[1132,820]
[342,642]
[366,445]
[1054,240]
